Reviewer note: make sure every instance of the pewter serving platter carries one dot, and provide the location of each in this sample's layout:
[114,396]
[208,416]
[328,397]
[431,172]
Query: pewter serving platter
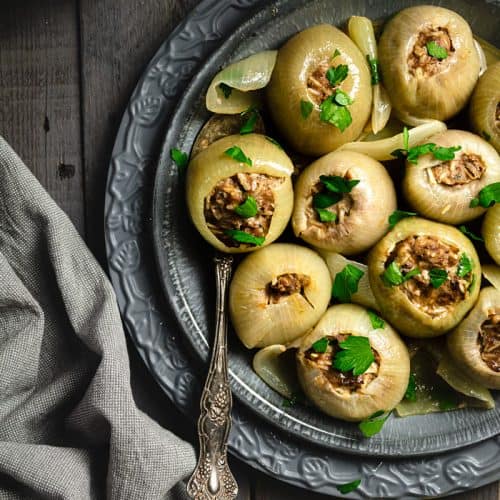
[172,333]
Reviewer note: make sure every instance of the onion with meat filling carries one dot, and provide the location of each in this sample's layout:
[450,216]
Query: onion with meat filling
[443,189]
[425,277]
[350,395]
[343,202]
[320,91]
[277,294]
[239,192]
[429,63]
[475,343]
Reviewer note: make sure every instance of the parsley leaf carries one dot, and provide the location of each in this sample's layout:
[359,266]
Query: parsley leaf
[401,153]
[248,208]
[470,234]
[445,154]
[274,141]
[325,199]
[393,276]
[437,277]
[464,266]
[406,138]
[356,355]
[336,115]
[236,153]
[336,53]
[338,184]
[414,153]
[320,345]
[348,487]
[346,283]
[342,98]
[373,425]
[376,321]
[243,237]
[435,50]
[411,390]
[179,157]
[487,197]
[486,136]
[306,108]
[226,90]
[325,215]
[373,63]
[398,215]
[249,126]
[337,75]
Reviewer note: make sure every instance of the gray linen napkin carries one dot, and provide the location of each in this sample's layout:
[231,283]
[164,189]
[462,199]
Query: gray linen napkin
[69,427]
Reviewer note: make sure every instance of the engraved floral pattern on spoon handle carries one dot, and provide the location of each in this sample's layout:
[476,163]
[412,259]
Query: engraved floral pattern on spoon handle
[212,478]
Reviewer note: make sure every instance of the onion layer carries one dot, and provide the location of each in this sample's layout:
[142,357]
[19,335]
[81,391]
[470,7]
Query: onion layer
[491,232]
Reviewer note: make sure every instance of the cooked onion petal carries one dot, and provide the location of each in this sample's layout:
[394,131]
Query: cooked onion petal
[483,64]
[492,274]
[491,53]
[249,74]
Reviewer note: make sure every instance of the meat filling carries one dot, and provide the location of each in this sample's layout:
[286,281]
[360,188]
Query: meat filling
[426,253]
[489,341]
[344,380]
[419,61]
[466,168]
[285,285]
[231,192]
[318,86]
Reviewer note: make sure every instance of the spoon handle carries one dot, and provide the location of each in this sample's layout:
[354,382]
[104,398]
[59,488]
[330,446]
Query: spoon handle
[212,478]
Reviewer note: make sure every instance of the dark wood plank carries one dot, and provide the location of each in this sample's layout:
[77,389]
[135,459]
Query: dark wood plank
[40,95]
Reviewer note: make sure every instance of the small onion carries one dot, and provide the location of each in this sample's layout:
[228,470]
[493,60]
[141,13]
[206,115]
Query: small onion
[381,387]
[472,343]
[443,190]
[277,294]
[491,232]
[245,76]
[361,215]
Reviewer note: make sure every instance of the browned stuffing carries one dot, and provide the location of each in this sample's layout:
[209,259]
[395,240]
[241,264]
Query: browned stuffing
[463,169]
[232,192]
[318,85]
[426,253]
[323,361]
[285,285]
[489,340]
[419,61]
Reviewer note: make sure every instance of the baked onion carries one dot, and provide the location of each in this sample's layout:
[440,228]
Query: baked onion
[443,189]
[491,232]
[358,218]
[425,276]
[277,294]
[239,192]
[429,62]
[320,93]
[343,394]
[475,343]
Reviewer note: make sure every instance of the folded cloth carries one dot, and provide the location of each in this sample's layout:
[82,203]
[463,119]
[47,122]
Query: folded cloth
[69,427]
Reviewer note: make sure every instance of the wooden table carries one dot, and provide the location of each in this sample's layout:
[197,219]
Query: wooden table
[67,68]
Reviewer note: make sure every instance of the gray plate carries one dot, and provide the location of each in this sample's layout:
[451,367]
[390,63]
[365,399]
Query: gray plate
[158,329]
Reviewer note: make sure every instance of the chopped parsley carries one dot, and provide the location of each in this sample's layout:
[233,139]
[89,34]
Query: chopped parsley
[435,50]
[179,157]
[376,321]
[374,71]
[445,154]
[274,141]
[338,184]
[320,345]
[325,199]
[337,115]
[411,390]
[401,153]
[342,98]
[348,487]
[470,234]
[486,135]
[335,186]
[248,208]
[356,355]
[393,276]
[226,90]
[325,215]
[243,237]
[236,153]
[337,74]
[398,215]
[336,53]
[464,266]
[306,108]
[249,126]
[487,197]
[437,277]
[373,425]
[346,283]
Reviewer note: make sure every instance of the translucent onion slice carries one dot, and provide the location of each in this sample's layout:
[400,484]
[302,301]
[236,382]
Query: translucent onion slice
[275,365]
[491,53]
[361,32]
[336,262]
[491,232]
[245,76]
[381,150]
[492,274]
[483,64]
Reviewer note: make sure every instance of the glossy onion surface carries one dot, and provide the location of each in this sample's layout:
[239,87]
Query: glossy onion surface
[491,232]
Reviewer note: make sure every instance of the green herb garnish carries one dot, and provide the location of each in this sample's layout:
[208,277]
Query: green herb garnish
[401,153]
[445,154]
[342,98]
[488,196]
[274,141]
[306,108]
[236,153]
[320,345]
[470,234]
[411,390]
[486,136]
[437,277]
[464,266]
[376,321]
[243,237]
[393,276]
[336,53]
[346,283]
[325,215]
[398,215]
[373,63]
[248,208]
[226,89]
[336,115]
[435,50]
[338,184]
[356,355]
[325,199]
[249,126]
[348,487]
[337,75]
[179,157]
[373,425]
